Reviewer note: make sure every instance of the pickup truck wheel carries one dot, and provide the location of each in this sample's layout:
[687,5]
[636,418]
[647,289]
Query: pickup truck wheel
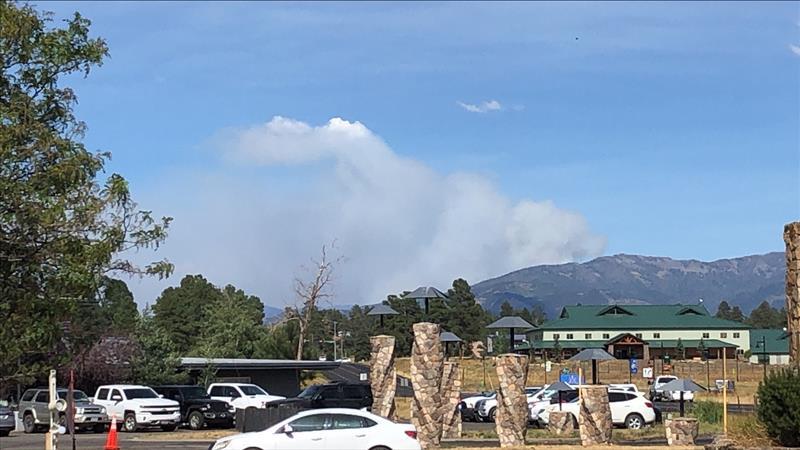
[129,424]
[492,414]
[195,420]
[634,422]
[28,424]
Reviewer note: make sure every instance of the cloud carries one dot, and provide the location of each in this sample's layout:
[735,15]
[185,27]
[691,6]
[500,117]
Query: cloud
[487,106]
[399,223]
[795,49]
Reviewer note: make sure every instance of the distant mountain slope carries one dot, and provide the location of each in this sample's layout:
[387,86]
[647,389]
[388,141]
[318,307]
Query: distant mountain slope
[634,279]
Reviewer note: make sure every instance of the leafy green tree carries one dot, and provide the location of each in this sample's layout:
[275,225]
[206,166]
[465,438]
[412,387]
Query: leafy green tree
[361,327]
[156,360]
[765,316]
[182,312]
[737,315]
[64,223]
[119,306]
[400,326]
[234,323]
[680,350]
[280,342]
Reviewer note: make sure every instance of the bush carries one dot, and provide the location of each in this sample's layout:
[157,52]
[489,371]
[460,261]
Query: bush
[779,406]
[707,411]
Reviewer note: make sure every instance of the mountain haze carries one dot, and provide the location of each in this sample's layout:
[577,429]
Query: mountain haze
[634,279]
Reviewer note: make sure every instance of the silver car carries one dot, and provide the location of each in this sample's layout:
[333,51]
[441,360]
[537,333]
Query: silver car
[7,424]
[33,408]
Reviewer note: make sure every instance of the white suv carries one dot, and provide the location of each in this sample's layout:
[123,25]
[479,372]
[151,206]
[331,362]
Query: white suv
[241,396]
[629,409]
[486,409]
[138,406]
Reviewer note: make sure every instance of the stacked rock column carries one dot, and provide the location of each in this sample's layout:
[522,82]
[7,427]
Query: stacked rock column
[791,236]
[382,375]
[511,419]
[594,417]
[681,431]
[561,422]
[451,397]
[427,363]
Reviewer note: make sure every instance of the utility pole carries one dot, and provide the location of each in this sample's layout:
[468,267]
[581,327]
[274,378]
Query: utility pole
[334,340]
[51,440]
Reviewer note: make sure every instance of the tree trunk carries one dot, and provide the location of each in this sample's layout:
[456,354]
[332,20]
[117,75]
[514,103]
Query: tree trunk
[301,340]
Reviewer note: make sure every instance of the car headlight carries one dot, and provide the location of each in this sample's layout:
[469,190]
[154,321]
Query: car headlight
[219,445]
[102,410]
[231,408]
[205,407]
[78,410]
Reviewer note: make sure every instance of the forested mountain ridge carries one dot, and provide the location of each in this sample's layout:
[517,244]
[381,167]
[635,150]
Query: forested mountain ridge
[635,279]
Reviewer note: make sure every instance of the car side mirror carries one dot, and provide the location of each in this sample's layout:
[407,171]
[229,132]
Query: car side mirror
[287,429]
[160,395]
[116,398]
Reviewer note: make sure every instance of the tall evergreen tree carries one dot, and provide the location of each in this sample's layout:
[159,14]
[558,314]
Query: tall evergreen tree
[182,311]
[466,317]
[765,316]
[120,307]
[723,310]
[506,309]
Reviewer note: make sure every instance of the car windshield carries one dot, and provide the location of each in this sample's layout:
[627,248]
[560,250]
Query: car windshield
[194,392]
[309,392]
[140,393]
[251,389]
[79,396]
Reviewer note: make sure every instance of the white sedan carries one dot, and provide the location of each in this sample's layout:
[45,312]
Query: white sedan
[328,429]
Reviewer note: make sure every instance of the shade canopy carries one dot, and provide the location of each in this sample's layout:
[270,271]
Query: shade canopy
[592,354]
[682,385]
[382,310]
[560,386]
[510,322]
[447,336]
[425,293]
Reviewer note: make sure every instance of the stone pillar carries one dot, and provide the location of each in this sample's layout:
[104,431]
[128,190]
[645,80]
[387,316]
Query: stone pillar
[791,236]
[427,363]
[477,348]
[511,420]
[594,418]
[451,397]
[561,422]
[382,375]
[681,431]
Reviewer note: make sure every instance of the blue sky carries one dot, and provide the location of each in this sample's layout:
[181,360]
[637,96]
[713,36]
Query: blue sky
[657,129]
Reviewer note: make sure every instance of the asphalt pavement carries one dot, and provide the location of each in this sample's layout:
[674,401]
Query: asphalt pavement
[91,441]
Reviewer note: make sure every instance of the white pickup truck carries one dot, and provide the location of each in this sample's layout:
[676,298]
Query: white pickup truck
[657,391]
[241,395]
[138,407]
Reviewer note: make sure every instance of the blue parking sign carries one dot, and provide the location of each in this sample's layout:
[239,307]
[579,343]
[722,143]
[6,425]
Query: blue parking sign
[634,366]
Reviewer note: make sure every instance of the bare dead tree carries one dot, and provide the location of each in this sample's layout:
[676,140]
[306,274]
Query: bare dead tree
[309,293]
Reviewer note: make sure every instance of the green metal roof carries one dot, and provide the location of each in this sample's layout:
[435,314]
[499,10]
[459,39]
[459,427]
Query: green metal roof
[638,317]
[777,341]
[654,343]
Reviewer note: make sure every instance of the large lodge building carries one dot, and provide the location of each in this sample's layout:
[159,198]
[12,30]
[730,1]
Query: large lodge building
[641,332]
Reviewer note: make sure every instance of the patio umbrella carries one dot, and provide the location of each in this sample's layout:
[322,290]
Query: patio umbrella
[381,310]
[447,338]
[426,294]
[560,386]
[593,355]
[682,385]
[510,322]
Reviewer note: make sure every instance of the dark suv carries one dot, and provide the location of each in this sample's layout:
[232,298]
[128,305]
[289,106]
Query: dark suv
[197,408]
[331,395]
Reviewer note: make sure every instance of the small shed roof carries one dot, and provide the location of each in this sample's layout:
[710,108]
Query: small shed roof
[447,336]
[382,310]
[510,322]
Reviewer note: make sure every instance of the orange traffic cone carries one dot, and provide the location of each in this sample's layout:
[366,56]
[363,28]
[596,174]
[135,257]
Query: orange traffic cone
[111,442]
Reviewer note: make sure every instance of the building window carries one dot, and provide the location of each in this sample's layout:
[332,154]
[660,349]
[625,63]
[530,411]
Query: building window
[736,335]
[556,336]
[723,335]
[606,336]
[656,335]
[588,335]
[569,335]
[705,335]
[639,335]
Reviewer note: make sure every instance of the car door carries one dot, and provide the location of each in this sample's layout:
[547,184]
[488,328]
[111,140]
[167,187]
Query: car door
[308,433]
[620,406]
[114,406]
[218,392]
[352,397]
[329,397]
[349,432]
[41,404]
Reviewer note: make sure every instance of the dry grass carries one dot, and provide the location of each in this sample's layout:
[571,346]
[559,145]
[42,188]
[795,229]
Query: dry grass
[177,436]
[747,431]
[566,446]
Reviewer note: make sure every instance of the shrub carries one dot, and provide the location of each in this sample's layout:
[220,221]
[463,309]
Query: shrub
[779,406]
[707,411]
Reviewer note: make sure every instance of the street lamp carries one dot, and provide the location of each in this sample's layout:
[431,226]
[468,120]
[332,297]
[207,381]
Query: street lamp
[762,343]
